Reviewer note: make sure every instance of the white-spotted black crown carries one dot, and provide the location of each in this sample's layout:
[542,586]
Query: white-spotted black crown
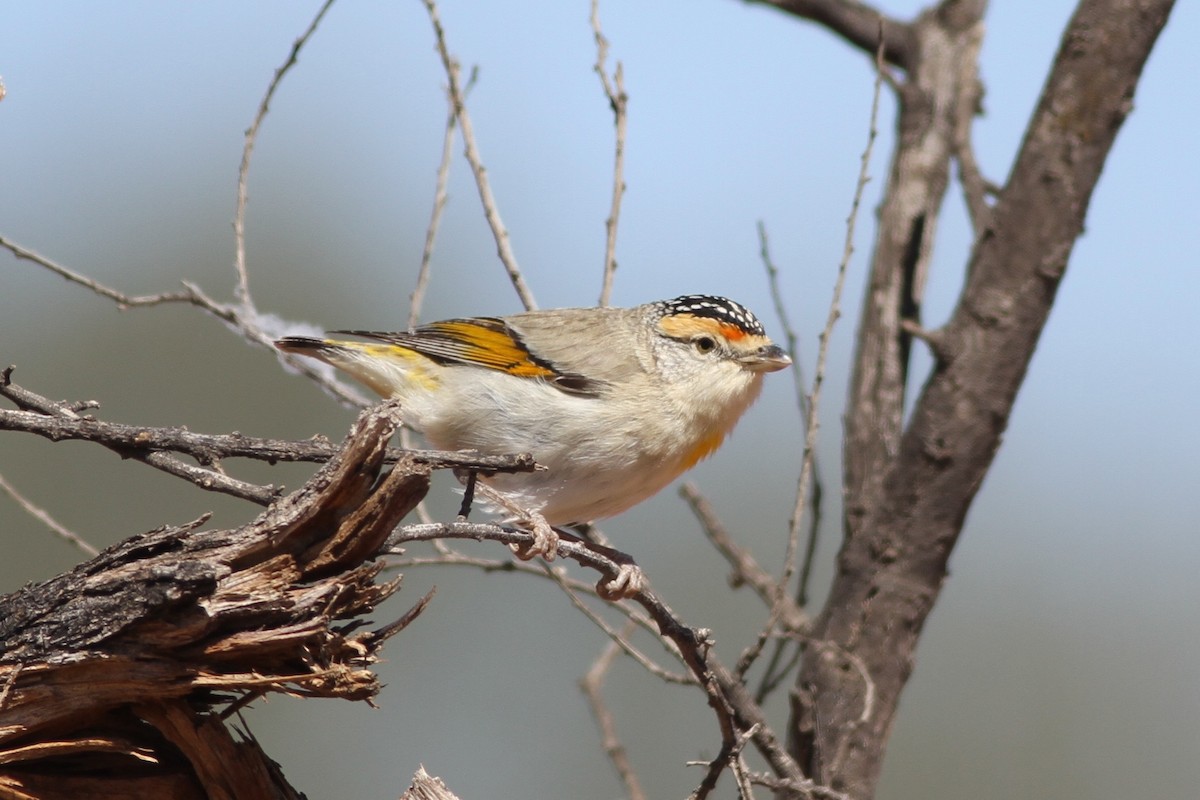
[719,308]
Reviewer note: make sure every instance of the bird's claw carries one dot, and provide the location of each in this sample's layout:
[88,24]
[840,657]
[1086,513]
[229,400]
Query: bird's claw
[545,539]
[628,582]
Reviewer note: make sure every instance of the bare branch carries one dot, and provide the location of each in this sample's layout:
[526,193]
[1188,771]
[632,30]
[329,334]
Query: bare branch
[122,300]
[818,487]
[942,78]
[417,298]
[42,516]
[592,685]
[571,587]
[242,320]
[614,90]
[857,23]
[778,667]
[57,421]
[615,636]
[812,423]
[734,707]
[745,569]
[499,232]
[242,291]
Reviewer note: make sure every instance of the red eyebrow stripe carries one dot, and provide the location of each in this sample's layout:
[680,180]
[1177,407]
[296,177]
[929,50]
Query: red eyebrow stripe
[731,333]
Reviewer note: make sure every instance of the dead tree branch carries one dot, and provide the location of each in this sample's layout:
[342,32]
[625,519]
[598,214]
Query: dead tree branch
[857,23]
[58,421]
[114,673]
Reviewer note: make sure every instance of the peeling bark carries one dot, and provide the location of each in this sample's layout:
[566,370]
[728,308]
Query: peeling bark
[115,677]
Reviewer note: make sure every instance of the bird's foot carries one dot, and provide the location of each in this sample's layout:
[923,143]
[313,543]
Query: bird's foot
[629,581]
[545,538]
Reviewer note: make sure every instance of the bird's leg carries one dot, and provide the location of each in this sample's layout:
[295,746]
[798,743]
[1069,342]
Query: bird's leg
[545,539]
[468,495]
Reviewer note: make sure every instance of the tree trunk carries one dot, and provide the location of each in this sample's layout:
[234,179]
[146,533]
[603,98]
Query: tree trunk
[907,496]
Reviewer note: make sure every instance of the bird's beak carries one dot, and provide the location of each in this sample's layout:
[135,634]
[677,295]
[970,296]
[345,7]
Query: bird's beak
[767,358]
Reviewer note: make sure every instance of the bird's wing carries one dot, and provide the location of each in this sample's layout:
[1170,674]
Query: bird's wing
[486,342]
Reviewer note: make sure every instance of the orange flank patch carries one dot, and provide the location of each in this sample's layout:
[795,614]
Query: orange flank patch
[702,450]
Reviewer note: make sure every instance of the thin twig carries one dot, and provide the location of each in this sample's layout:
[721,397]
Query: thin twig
[735,709]
[42,516]
[806,788]
[789,331]
[818,490]
[812,424]
[499,232]
[573,588]
[592,685]
[242,320]
[57,421]
[738,765]
[417,298]
[777,669]
[745,568]
[120,298]
[614,635]
[618,100]
[242,290]
[51,417]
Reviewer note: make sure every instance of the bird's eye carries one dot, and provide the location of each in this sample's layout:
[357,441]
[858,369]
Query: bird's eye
[705,344]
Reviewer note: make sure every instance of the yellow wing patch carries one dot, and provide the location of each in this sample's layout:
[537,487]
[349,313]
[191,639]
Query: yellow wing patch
[485,343]
[480,342]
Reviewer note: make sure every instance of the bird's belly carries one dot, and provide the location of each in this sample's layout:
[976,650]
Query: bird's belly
[566,493]
[597,463]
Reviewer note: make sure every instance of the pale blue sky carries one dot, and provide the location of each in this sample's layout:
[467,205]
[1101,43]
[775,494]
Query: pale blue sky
[1061,662]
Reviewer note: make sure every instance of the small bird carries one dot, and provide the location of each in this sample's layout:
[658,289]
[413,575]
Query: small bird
[615,403]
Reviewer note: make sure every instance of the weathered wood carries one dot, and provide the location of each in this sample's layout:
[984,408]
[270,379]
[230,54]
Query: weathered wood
[426,787]
[112,676]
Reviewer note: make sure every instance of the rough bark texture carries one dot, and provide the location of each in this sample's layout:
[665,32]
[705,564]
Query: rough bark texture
[941,88]
[111,675]
[908,493]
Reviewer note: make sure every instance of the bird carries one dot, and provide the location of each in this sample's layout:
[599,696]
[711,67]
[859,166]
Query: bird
[614,403]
